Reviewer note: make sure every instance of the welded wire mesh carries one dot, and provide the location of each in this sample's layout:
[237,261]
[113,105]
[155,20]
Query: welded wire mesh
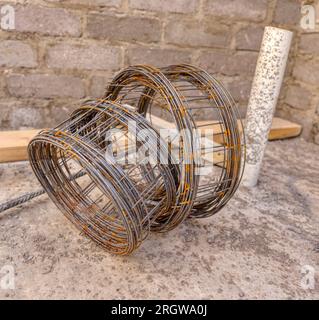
[117,173]
[184,95]
[143,87]
[200,92]
[112,201]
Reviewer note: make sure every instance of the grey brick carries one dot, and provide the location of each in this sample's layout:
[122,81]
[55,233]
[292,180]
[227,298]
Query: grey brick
[226,63]
[179,6]
[15,53]
[249,38]
[240,89]
[130,29]
[307,71]
[47,21]
[309,43]
[156,56]
[92,57]
[189,32]
[288,12]
[23,114]
[238,9]
[45,86]
[298,97]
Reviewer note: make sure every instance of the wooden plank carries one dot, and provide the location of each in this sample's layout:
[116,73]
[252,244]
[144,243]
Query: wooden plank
[280,128]
[13,144]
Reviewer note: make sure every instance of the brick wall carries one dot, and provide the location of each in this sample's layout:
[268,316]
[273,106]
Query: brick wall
[64,50]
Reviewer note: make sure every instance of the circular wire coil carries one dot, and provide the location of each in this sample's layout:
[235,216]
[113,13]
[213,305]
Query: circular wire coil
[103,166]
[114,203]
[146,138]
[141,87]
[223,164]
[181,94]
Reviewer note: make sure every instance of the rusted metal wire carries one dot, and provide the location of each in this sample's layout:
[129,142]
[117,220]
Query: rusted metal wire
[113,204]
[221,114]
[180,93]
[143,87]
[90,168]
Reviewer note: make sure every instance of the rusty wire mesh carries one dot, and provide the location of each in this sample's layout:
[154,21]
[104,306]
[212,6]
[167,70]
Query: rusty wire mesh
[180,94]
[116,202]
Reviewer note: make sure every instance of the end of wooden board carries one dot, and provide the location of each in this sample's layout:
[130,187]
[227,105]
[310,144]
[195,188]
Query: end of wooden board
[13,144]
[282,129]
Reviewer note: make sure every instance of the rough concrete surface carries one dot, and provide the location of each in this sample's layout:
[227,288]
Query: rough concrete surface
[253,248]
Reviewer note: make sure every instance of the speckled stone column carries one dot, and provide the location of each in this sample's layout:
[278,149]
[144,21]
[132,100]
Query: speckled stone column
[265,90]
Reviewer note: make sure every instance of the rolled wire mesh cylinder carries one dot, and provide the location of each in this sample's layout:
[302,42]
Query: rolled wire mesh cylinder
[143,87]
[114,203]
[154,179]
[116,190]
[180,94]
[204,97]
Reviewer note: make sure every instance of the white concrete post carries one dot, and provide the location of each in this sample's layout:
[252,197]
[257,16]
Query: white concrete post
[264,94]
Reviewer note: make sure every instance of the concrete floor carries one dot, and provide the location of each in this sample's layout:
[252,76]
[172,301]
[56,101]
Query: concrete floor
[254,248]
